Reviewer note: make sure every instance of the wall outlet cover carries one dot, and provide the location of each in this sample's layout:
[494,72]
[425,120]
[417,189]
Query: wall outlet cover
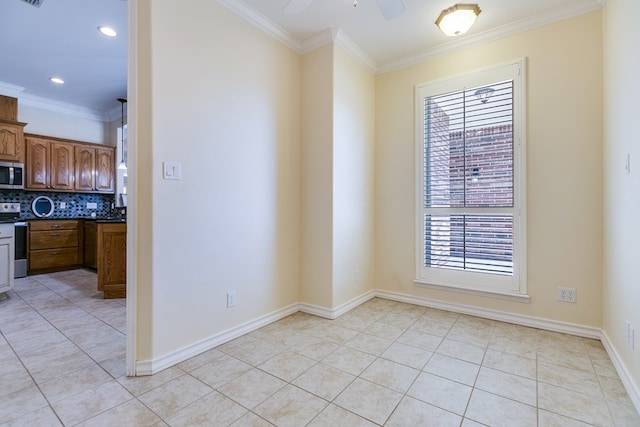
[567,294]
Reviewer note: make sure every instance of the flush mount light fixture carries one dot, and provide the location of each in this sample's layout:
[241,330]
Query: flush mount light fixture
[107,31]
[457,19]
[56,80]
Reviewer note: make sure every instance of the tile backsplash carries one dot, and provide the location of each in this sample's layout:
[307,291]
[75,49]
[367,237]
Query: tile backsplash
[76,203]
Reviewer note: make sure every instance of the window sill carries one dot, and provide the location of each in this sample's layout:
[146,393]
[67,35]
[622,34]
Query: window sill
[524,298]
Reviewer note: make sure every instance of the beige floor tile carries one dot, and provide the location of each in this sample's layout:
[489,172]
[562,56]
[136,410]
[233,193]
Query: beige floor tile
[170,397]
[453,369]
[291,406]
[510,363]
[20,403]
[383,330]
[620,405]
[324,381]
[548,419]
[89,403]
[315,348]
[251,420]
[214,409]
[470,334]
[368,344]
[420,340]
[349,360]
[56,367]
[470,423]
[562,357]
[250,350]
[523,390]
[573,379]
[132,413]
[220,371]
[514,345]
[143,384]
[390,374]
[497,411]
[74,382]
[369,400]
[412,412]
[432,326]
[252,388]
[334,333]
[459,350]
[441,392]
[573,405]
[334,416]
[401,320]
[43,417]
[287,365]
[14,381]
[116,366]
[200,360]
[355,321]
[407,355]
[562,341]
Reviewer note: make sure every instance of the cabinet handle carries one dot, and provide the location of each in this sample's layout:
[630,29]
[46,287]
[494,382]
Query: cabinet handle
[55,226]
[55,253]
[54,235]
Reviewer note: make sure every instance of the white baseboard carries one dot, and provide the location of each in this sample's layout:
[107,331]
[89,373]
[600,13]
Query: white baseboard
[329,313]
[632,387]
[150,367]
[518,319]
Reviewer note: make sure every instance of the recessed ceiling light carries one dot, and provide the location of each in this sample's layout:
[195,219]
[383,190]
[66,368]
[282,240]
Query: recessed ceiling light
[107,31]
[56,80]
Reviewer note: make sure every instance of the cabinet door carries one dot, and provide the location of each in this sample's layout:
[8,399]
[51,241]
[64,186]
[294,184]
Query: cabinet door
[62,175]
[105,170]
[37,164]
[12,142]
[6,249]
[85,158]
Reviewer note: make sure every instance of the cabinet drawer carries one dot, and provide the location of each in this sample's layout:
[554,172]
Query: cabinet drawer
[53,239]
[46,225]
[53,258]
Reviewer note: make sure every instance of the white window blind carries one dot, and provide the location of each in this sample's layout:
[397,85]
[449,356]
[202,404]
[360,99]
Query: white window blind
[469,144]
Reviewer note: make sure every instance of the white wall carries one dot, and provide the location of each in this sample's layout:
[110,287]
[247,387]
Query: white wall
[316,168]
[353,178]
[231,117]
[564,168]
[61,125]
[621,296]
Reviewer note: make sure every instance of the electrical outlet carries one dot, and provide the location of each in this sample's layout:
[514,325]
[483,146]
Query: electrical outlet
[63,205]
[567,294]
[231,299]
[92,205]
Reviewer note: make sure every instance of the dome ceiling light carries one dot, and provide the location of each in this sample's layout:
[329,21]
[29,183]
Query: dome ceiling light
[457,19]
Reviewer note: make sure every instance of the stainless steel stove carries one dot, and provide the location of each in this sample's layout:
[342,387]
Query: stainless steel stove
[10,212]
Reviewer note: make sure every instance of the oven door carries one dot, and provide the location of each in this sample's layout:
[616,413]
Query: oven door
[20,269]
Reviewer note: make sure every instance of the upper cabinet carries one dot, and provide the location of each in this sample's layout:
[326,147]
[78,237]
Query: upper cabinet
[12,141]
[62,165]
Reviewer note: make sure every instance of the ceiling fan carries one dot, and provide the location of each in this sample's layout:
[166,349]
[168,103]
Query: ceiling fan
[389,8]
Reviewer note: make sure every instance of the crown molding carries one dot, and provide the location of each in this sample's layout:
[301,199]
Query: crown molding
[503,31]
[354,50]
[264,24]
[14,91]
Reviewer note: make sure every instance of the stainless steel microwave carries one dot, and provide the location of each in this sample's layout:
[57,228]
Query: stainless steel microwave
[11,175]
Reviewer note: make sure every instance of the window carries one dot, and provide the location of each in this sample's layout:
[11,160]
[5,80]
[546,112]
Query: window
[470,182]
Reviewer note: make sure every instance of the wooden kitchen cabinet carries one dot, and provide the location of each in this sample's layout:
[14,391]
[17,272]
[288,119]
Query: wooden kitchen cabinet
[49,165]
[55,164]
[12,141]
[54,245]
[90,245]
[112,259]
[6,257]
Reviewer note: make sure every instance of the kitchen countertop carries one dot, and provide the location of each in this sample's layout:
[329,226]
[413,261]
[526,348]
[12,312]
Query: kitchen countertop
[103,219]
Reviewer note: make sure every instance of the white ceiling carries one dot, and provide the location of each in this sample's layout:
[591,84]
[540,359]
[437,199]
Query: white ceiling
[60,38]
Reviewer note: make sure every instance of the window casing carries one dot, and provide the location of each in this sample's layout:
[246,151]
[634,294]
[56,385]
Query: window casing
[470,172]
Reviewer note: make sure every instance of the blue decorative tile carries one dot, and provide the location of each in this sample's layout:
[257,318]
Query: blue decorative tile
[76,203]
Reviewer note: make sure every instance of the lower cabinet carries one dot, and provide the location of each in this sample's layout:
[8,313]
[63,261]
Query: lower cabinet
[54,245]
[6,258]
[90,247]
[112,259]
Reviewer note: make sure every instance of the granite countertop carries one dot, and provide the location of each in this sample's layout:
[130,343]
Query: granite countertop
[102,219]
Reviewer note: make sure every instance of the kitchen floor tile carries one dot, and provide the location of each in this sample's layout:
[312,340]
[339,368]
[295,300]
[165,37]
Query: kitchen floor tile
[382,363]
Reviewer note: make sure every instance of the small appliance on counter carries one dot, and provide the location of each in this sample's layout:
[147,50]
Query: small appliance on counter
[10,213]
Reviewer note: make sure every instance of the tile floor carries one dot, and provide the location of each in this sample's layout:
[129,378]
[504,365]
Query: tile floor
[384,363]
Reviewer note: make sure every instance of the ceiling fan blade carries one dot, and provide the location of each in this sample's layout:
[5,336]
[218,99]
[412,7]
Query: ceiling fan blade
[391,8]
[294,7]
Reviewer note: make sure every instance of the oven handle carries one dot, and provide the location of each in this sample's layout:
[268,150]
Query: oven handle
[20,224]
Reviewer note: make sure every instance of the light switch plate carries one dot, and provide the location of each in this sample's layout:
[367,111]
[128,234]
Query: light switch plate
[92,205]
[172,170]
